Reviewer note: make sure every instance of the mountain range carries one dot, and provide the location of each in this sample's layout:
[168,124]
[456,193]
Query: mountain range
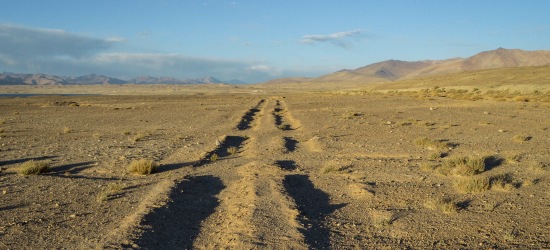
[386,71]
[44,79]
[393,70]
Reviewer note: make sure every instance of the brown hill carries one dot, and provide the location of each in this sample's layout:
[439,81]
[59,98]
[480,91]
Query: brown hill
[393,70]
[516,78]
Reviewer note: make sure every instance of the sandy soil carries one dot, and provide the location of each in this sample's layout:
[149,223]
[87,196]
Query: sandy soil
[307,171]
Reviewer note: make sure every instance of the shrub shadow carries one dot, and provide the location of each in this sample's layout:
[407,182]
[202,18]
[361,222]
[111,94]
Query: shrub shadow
[492,162]
[174,166]
[16,161]
[74,168]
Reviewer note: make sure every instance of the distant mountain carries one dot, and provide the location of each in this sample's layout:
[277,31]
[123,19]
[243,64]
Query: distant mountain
[392,70]
[30,79]
[94,79]
[235,81]
[43,79]
[171,80]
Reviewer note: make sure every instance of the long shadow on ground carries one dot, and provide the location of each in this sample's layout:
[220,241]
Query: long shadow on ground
[176,225]
[314,206]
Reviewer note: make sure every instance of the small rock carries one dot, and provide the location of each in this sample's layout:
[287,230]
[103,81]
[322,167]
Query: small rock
[72,216]
[4,191]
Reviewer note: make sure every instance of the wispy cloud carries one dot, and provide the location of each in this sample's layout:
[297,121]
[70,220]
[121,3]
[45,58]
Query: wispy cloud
[337,38]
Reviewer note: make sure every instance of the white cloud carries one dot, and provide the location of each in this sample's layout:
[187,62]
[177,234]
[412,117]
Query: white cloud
[32,50]
[334,38]
[22,43]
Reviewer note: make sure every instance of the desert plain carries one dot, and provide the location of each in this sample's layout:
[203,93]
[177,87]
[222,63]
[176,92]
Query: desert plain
[286,167]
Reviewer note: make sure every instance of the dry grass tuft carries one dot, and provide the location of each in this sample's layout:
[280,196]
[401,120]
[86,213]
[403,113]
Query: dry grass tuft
[332,168]
[381,218]
[142,166]
[539,166]
[67,130]
[521,138]
[471,185]
[34,167]
[141,136]
[232,150]
[443,204]
[350,115]
[502,182]
[429,144]
[109,191]
[464,165]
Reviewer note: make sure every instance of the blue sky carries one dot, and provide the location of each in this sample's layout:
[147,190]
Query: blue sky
[254,41]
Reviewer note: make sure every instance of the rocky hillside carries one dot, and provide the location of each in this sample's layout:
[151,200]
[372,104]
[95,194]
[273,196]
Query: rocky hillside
[392,70]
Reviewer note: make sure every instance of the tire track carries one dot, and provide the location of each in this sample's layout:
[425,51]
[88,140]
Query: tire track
[314,207]
[254,212]
[250,115]
[229,145]
[245,202]
[290,144]
[283,117]
[177,224]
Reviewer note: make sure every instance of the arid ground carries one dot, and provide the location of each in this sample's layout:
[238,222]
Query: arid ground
[245,168]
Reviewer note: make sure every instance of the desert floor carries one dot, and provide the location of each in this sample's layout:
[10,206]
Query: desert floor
[293,171]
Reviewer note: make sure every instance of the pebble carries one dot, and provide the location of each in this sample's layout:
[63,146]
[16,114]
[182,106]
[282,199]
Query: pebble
[72,216]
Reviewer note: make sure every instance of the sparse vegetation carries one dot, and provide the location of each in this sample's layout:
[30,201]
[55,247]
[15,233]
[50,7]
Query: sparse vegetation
[142,166]
[284,127]
[539,166]
[108,191]
[214,157]
[330,168]
[490,205]
[465,166]
[511,234]
[443,204]
[429,144]
[428,166]
[437,155]
[382,218]
[472,185]
[67,130]
[34,167]
[232,150]
[141,136]
[350,115]
[521,138]
[502,182]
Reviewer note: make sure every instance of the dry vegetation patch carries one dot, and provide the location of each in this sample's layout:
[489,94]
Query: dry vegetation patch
[34,167]
[471,185]
[142,166]
[430,144]
[443,204]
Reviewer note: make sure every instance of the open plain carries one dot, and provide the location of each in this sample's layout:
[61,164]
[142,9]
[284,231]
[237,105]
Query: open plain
[248,168]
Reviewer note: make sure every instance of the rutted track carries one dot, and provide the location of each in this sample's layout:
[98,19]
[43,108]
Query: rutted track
[247,119]
[257,201]
[223,149]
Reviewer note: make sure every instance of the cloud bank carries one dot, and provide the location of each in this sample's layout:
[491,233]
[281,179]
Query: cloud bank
[337,38]
[31,50]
